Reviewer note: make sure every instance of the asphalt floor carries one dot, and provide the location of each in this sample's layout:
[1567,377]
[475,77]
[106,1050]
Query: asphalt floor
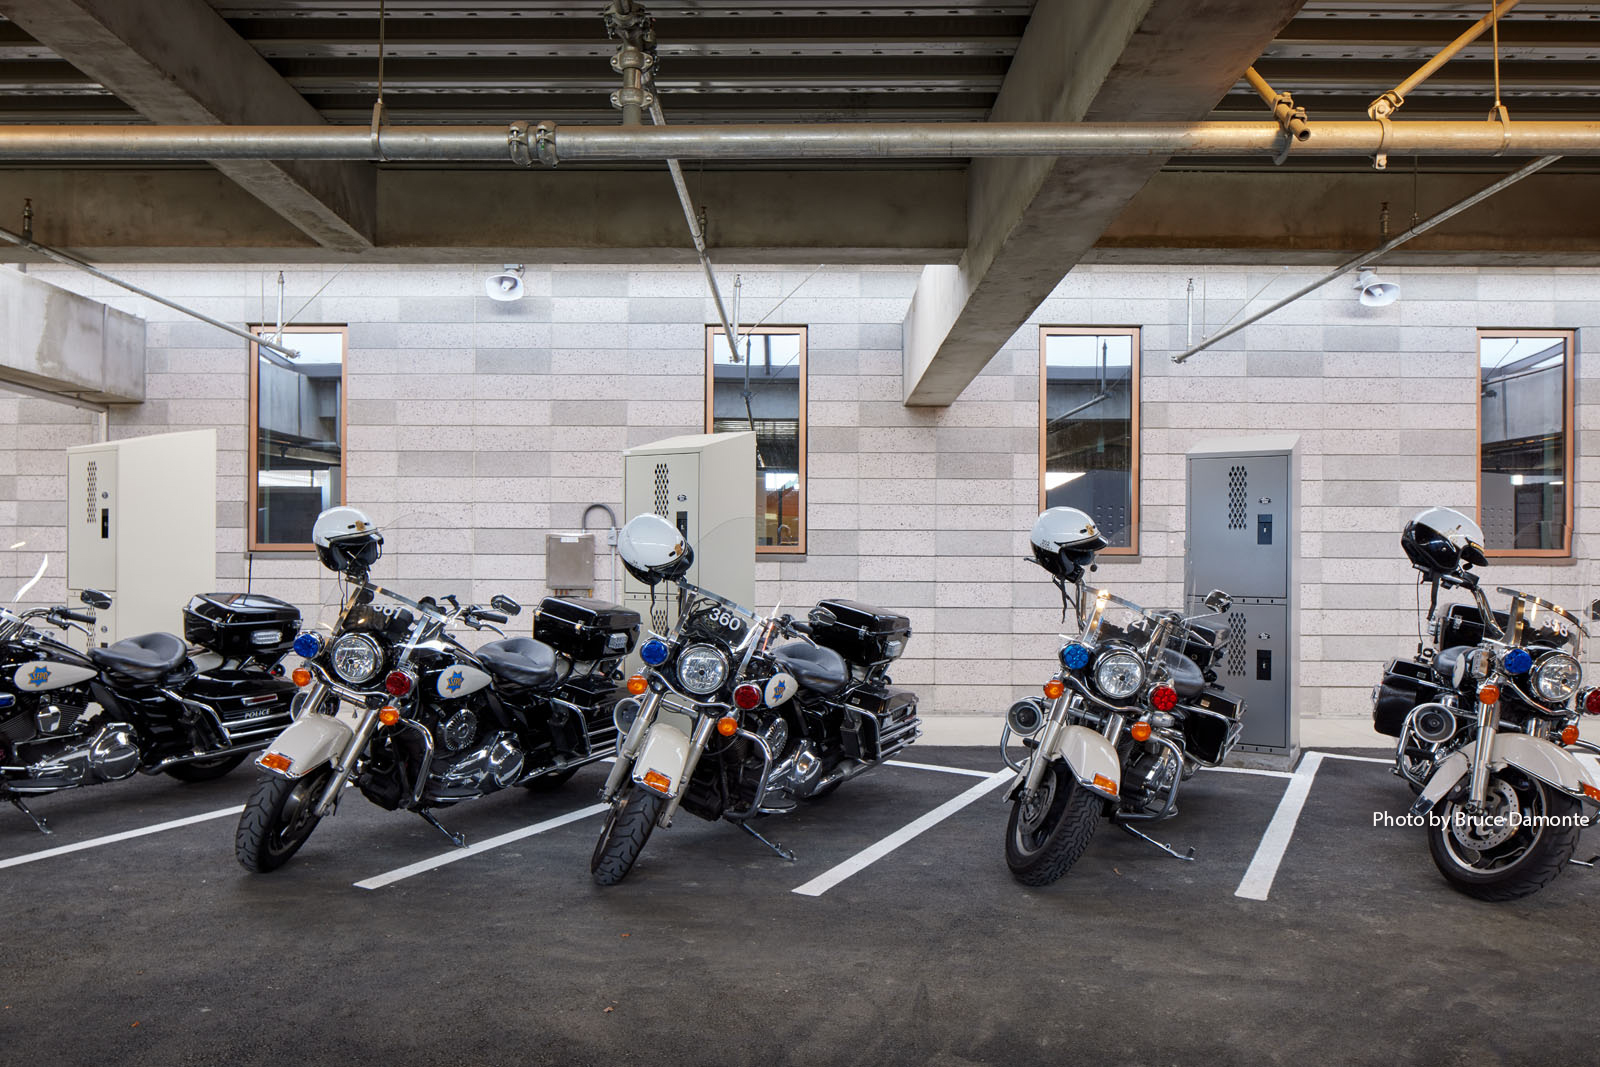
[157,948]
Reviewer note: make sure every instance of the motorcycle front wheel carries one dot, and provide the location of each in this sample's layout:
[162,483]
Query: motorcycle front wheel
[1050,830]
[277,820]
[204,770]
[1526,835]
[628,827]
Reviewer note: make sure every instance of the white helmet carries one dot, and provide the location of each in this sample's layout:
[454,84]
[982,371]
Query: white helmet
[653,550]
[1065,540]
[346,540]
[1442,540]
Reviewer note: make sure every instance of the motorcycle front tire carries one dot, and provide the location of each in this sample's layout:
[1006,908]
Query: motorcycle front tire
[278,819]
[628,827]
[1045,837]
[1523,864]
[204,770]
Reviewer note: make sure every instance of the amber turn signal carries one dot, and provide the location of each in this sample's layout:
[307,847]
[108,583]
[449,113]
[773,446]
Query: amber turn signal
[1054,688]
[1140,731]
[1489,693]
[300,677]
[1569,735]
[1102,782]
[727,726]
[388,715]
[637,685]
[276,761]
[1591,792]
[658,781]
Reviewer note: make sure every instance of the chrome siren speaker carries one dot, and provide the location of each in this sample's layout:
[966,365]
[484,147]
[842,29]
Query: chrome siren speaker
[1433,723]
[1026,716]
[623,713]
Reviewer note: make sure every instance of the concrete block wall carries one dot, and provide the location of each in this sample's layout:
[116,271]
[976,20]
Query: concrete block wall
[485,425]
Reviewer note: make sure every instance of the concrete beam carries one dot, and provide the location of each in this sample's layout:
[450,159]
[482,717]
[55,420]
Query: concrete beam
[177,62]
[477,216]
[56,342]
[1030,220]
[1322,218]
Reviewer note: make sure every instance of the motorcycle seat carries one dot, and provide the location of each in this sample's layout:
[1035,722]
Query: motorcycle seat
[520,661]
[147,658]
[814,667]
[1444,665]
[1187,678]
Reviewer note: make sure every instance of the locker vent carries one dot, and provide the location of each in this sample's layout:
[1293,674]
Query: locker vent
[661,492]
[93,482]
[1237,490]
[1236,642]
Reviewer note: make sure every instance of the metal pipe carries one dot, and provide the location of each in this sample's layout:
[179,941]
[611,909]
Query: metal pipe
[1290,118]
[1390,102]
[695,233]
[1366,257]
[951,140]
[74,399]
[74,261]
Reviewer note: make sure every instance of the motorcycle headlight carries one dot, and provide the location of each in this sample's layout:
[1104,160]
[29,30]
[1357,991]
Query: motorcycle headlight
[1557,677]
[702,669]
[1119,675]
[356,658]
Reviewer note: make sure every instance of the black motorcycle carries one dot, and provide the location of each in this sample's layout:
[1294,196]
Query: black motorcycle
[152,704]
[397,704]
[728,723]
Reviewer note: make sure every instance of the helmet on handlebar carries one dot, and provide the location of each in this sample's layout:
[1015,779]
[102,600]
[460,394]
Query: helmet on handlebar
[1442,541]
[653,550]
[347,541]
[1065,541]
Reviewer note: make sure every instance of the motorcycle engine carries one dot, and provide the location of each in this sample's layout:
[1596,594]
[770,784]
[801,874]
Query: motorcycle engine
[1151,775]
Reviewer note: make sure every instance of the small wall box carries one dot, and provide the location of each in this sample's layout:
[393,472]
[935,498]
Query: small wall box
[142,528]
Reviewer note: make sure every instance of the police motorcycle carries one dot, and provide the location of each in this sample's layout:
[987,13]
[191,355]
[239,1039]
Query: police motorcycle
[728,723]
[150,704]
[1486,722]
[1133,712]
[393,702]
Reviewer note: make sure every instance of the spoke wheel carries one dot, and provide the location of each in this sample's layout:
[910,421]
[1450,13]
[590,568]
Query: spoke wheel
[628,826]
[1051,828]
[278,819]
[1516,846]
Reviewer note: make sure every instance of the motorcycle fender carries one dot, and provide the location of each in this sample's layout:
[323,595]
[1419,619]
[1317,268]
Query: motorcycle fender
[662,758]
[1092,760]
[307,743]
[1446,775]
[1551,764]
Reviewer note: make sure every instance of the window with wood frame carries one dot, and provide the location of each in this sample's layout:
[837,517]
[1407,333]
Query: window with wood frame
[1525,432]
[762,387]
[297,419]
[1089,427]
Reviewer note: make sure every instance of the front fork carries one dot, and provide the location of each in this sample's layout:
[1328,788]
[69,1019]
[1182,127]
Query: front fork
[1488,726]
[1111,729]
[630,747]
[346,765]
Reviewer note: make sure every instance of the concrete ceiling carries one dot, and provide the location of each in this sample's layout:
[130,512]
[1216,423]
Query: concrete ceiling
[996,228]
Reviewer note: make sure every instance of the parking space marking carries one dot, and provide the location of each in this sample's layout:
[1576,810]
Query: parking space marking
[873,853]
[1356,759]
[1257,881]
[423,866]
[111,839]
[1251,770]
[936,767]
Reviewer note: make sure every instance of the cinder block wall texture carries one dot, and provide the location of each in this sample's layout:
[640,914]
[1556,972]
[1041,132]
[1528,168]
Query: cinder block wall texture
[489,424]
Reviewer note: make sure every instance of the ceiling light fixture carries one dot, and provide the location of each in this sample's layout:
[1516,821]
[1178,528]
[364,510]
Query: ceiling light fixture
[507,285]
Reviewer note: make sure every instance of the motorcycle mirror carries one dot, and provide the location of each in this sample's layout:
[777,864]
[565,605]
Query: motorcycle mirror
[1594,610]
[1219,601]
[822,617]
[95,599]
[501,602]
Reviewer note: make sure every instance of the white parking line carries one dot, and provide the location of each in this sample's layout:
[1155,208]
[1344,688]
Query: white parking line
[1251,770]
[1356,759]
[1257,881]
[937,767]
[111,839]
[423,866]
[873,853]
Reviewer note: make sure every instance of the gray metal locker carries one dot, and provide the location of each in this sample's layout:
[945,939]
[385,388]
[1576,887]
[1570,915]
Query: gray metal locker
[1242,538]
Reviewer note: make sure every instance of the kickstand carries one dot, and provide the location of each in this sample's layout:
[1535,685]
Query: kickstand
[455,839]
[1168,849]
[37,821]
[1592,861]
[773,845]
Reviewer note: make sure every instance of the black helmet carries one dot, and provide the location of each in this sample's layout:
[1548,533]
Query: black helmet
[347,541]
[1065,541]
[1442,541]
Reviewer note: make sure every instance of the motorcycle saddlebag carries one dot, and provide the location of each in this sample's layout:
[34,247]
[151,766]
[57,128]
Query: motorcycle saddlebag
[240,624]
[859,632]
[1406,683]
[1209,721]
[1201,645]
[878,722]
[586,630]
